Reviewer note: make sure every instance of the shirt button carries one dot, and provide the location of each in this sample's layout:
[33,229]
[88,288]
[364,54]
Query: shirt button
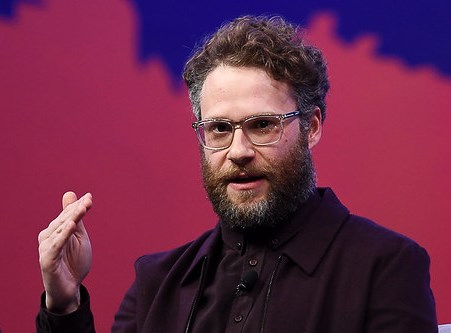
[274,242]
[253,262]
[238,318]
[239,245]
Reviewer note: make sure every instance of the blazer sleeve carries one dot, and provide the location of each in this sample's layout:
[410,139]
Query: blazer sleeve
[401,299]
[80,321]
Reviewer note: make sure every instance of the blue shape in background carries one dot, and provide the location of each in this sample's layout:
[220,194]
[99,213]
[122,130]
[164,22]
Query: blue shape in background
[8,7]
[417,31]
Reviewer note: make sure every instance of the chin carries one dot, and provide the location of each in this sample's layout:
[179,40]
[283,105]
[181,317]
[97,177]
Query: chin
[248,197]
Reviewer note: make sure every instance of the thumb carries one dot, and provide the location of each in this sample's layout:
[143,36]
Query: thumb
[68,198]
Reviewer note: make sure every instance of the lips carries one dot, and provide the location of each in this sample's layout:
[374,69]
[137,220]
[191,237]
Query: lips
[244,176]
[245,179]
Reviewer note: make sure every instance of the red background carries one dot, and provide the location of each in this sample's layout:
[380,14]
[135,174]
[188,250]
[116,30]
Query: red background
[79,112]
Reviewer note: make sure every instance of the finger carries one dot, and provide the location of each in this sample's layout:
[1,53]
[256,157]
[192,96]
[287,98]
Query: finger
[50,249]
[71,225]
[57,225]
[73,212]
[68,198]
[80,231]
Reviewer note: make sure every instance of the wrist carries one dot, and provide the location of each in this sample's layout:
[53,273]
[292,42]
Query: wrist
[63,306]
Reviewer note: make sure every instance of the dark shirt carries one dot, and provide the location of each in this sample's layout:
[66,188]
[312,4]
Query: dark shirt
[223,309]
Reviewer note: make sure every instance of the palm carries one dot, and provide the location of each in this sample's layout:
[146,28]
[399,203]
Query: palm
[75,261]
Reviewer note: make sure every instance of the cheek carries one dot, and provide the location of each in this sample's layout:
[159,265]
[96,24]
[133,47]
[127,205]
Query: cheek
[291,132]
[286,144]
[214,158]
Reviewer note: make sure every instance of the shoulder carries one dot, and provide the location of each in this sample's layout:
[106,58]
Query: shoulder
[374,234]
[385,268]
[389,244]
[363,236]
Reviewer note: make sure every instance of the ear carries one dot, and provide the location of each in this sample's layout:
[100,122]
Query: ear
[315,130]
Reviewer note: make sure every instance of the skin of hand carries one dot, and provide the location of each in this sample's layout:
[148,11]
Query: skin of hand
[65,254]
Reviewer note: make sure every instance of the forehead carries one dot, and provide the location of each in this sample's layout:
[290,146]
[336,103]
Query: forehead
[239,92]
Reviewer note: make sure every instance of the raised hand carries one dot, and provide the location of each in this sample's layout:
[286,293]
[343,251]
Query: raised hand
[65,254]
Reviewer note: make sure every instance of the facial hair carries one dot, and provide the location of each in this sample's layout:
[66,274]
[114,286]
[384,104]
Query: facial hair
[291,181]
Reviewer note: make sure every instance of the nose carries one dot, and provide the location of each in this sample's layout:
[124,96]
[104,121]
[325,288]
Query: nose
[241,151]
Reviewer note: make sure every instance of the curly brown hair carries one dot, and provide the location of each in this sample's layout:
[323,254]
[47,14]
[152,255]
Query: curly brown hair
[268,43]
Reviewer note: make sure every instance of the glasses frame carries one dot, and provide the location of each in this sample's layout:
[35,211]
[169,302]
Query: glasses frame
[239,125]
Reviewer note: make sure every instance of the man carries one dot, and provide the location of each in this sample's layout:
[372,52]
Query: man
[285,256]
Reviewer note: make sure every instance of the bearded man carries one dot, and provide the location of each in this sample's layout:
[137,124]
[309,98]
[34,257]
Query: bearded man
[285,256]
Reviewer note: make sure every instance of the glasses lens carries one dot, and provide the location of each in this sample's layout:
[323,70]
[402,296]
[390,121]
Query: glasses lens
[216,134]
[263,129]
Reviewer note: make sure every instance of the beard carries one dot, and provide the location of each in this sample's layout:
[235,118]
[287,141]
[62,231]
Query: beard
[291,182]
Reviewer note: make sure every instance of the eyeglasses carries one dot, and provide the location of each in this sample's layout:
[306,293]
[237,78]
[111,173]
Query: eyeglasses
[261,130]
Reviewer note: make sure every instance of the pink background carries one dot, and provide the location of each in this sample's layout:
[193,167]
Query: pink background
[78,112]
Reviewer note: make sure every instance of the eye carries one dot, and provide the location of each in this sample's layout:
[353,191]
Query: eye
[218,127]
[262,124]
